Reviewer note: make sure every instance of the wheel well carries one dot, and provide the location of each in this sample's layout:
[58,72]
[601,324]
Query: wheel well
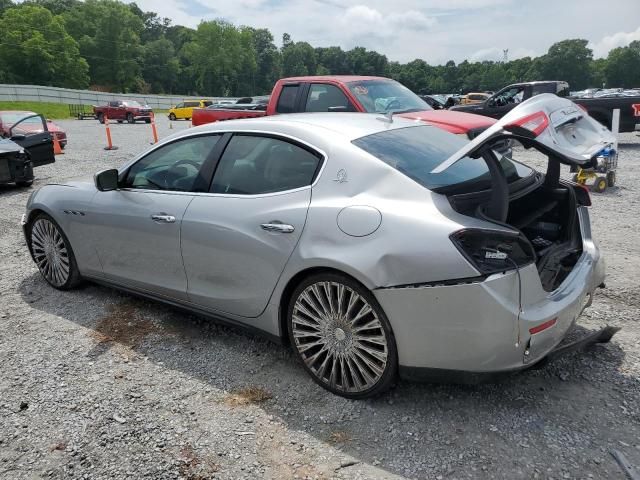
[288,291]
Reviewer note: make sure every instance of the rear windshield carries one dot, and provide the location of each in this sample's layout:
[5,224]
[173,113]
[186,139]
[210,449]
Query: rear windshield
[415,151]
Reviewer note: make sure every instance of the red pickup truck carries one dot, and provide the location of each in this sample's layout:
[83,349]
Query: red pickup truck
[122,110]
[350,94]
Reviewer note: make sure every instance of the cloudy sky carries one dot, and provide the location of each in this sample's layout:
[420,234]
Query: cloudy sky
[434,30]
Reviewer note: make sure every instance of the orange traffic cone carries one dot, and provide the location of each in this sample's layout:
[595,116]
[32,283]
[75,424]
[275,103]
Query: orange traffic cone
[57,149]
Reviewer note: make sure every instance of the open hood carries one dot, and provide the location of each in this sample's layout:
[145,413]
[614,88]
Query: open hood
[551,124]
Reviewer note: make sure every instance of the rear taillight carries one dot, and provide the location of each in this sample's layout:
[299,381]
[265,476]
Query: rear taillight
[535,124]
[490,251]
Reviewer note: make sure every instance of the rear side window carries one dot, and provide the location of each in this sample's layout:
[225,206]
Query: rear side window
[415,151]
[206,103]
[287,100]
[254,165]
[325,98]
[190,104]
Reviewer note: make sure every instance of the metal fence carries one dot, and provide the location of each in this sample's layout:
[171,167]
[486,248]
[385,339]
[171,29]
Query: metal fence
[36,93]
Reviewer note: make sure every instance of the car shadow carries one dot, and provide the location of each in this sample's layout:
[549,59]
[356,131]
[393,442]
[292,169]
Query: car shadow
[387,431]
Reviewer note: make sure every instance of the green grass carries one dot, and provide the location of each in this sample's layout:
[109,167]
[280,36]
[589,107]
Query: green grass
[49,110]
[53,111]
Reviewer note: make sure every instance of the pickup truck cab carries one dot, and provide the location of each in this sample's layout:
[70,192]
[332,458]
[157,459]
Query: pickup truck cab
[184,110]
[121,110]
[601,109]
[349,93]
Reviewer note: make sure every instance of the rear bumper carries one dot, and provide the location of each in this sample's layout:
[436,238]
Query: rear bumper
[474,329]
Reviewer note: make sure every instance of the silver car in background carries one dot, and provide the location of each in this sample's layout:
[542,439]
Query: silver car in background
[374,245]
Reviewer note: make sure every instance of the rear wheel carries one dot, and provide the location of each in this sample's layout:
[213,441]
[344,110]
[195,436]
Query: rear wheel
[147,120]
[25,183]
[600,185]
[101,117]
[130,118]
[339,331]
[611,179]
[53,254]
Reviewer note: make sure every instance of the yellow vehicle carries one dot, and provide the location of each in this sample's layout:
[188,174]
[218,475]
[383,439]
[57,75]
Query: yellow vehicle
[184,110]
[473,97]
[602,173]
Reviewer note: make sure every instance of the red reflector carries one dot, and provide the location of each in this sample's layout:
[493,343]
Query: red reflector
[536,123]
[543,326]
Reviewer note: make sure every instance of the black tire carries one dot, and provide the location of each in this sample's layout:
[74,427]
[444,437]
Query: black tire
[147,120]
[25,183]
[101,117]
[611,179]
[36,243]
[341,335]
[130,118]
[120,121]
[600,185]
[172,117]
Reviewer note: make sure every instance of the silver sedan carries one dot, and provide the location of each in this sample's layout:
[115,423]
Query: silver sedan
[375,246]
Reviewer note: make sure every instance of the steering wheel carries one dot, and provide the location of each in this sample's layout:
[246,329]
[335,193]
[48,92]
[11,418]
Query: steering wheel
[393,103]
[193,163]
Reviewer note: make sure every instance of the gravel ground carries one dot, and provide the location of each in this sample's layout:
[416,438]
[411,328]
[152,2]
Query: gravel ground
[99,384]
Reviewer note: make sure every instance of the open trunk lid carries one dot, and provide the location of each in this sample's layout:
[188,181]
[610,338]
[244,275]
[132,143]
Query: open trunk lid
[554,125]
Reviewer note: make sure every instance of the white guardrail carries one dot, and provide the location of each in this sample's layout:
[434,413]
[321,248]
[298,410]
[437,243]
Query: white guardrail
[37,93]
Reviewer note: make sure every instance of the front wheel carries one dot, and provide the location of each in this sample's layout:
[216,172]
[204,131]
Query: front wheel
[53,254]
[611,179]
[172,117]
[25,183]
[600,185]
[130,118]
[342,336]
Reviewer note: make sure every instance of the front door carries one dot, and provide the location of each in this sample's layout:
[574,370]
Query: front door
[237,240]
[31,133]
[136,229]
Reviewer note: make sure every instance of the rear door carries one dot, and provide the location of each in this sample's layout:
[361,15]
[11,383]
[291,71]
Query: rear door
[32,134]
[237,239]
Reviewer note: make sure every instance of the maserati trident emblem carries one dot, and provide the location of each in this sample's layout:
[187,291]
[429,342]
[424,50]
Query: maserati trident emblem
[341,176]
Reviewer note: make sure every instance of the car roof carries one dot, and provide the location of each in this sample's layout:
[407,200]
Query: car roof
[335,78]
[347,125]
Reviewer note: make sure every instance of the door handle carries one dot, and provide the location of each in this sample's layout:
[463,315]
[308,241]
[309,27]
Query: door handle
[275,226]
[163,218]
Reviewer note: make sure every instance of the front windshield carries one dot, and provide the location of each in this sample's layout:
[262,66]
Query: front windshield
[384,96]
[132,103]
[416,151]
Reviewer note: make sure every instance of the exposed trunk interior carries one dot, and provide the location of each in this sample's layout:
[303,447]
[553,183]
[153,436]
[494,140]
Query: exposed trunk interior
[546,214]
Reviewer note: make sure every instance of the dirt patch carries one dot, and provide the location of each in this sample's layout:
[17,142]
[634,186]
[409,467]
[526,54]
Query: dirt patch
[123,324]
[193,467]
[339,436]
[247,396]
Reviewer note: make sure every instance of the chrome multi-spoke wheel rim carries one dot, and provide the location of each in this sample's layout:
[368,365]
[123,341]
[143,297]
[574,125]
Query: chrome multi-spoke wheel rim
[50,252]
[339,337]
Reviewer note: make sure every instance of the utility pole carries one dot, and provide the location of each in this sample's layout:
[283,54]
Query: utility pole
[505,55]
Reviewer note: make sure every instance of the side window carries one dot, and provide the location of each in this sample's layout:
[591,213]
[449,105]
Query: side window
[207,103]
[180,105]
[29,126]
[172,167]
[253,165]
[287,100]
[114,104]
[190,104]
[323,97]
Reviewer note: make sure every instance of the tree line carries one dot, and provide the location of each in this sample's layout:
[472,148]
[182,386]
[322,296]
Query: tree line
[112,46]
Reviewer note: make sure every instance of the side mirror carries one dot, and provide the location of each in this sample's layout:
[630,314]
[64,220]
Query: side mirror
[106,180]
